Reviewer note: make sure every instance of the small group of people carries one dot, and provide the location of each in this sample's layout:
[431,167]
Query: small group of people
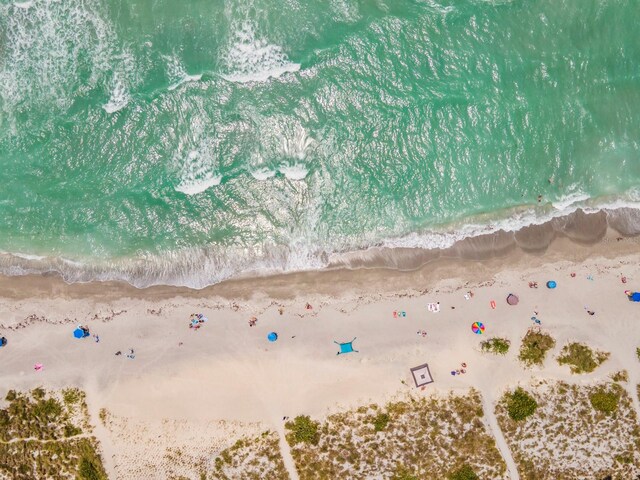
[460,371]
[130,355]
[253,321]
[196,320]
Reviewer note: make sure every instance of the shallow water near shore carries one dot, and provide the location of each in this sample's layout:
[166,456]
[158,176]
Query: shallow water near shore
[160,145]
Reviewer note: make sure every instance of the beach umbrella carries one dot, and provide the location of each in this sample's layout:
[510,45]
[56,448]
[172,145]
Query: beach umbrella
[272,337]
[78,333]
[512,299]
[633,296]
[38,367]
[551,284]
[3,341]
[477,328]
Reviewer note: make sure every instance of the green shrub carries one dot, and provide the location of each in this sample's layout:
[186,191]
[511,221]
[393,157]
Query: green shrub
[535,346]
[88,471]
[621,376]
[638,353]
[303,429]
[380,422]
[71,430]
[403,473]
[496,345]
[463,473]
[581,358]
[604,401]
[520,404]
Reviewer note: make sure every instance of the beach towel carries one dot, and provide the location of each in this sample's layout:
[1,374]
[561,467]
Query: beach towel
[433,307]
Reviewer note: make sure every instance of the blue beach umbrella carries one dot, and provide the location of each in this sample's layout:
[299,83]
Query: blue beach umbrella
[551,284]
[78,333]
[272,337]
[3,342]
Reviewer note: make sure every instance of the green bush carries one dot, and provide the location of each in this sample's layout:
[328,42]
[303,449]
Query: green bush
[88,471]
[638,353]
[303,429]
[496,345]
[604,401]
[581,358]
[520,404]
[463,473]
[380,422]
[535,346]
[403,473]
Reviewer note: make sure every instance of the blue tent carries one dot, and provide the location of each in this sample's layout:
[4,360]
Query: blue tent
[634,297]
[81,333]
[272,337]
[346,347]
[551,284]
[3,342]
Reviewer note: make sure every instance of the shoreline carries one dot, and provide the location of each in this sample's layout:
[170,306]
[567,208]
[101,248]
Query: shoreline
[574,238]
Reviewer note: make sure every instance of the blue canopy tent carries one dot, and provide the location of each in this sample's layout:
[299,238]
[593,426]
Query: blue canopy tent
[81,332]
[346,347]
[3,341]
[634,297]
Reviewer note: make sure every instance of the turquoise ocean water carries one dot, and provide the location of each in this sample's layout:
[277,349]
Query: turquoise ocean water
[188,142]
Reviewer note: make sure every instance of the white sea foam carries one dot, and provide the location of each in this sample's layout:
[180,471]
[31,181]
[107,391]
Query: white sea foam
[119,98]
[194,187]
[23,5]
[252,59]
[198,172]
[295,171]
[177,73]
[263,173]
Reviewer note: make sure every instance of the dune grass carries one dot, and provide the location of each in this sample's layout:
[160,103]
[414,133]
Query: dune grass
[251,459]
[413,438]
[581,358]
[46,433]
[534,348]
[496,345]
[568,437]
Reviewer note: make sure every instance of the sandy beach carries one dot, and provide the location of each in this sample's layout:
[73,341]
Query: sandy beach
[200,389]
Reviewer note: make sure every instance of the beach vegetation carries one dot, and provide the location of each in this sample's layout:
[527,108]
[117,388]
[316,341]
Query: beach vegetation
[463,473]
[535,345]
[621,376]
[605,400]
[302,429]
[520,404]
[638,352]
[380,421]
[46,438]
[581,358]
[496,345]
[416,433]
[403,473]
[566,426]
[250,458]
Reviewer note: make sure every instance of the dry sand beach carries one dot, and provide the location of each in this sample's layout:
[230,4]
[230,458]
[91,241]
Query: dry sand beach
[188,394]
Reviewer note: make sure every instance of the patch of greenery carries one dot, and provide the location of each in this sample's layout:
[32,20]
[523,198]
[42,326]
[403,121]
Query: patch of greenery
[520,404]
[72,396]
[535,346]
[89,471]
[380,421]
[604,400]
[621,376]
[581,358]
[250,458]
[302,429]
[403,473]
[463,473]
[638,353]
[496,345]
